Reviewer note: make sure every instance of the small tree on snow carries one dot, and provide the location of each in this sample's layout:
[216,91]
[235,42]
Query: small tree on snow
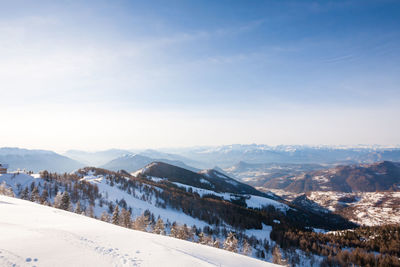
[5,190]
[126,218]
[105,217]
[25,194]
[159,227]
[277,256]
[78,208]
[45,195]
[141,223]
[57,200]
[184,232]
[246,248]
[115,216]
[205,239]
[90,211]
[231,242]
[216,243]
[65,201]
[174,230]
[35,196]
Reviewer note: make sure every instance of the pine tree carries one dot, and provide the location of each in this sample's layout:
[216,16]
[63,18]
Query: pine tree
[45,196]
[216,243]
[105,217]
[57,200]
[141,223]
[174,230]
[184,232]
[159,227]
[25,193]
[205,239]
[126,218]
[90,211]
[5,190]
[78,208]
[115,216]
[231,242]
[35,197]
[201,238]
[246,248]
[65,201]
[277,256]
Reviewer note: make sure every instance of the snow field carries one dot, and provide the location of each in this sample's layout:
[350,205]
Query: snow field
[37,235]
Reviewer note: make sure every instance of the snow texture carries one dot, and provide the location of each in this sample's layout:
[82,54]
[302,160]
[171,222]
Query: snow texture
[37,235]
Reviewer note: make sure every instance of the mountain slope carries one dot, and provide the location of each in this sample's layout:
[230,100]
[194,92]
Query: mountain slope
[127,162]
[37,160]
[155,154]
[207,179]
[52,237]
[379,176]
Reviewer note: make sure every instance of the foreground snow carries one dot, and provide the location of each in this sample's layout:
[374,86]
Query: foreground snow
[32,234]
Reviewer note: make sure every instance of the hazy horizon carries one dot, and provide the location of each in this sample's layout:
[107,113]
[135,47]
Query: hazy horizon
[131,74]
[178,149]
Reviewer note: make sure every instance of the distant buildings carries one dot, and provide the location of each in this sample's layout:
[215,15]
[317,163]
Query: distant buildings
[3,168]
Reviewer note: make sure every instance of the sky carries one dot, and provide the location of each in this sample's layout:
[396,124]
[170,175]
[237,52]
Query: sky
[94,75]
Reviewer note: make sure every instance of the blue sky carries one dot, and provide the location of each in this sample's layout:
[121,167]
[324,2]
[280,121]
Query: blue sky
[127,74]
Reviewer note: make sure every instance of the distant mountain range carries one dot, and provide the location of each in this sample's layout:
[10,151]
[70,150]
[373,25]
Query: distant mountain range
[226,156]
[381,176]
[97,158]
[37,160]
[245,162]
[133,162]
[129,160]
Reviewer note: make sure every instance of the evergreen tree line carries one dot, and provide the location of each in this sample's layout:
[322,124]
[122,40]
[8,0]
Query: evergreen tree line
[364,246]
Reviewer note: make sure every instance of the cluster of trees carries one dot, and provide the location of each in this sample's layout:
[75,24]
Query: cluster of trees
[147,223]
[364,246]
[5,190]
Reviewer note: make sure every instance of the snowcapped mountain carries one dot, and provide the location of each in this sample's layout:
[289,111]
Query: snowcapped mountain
[96,158]
[68,239]
[228,155]
[133,162]
[37,160]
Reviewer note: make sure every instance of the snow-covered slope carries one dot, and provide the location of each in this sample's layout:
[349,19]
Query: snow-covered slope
[138,201]
[36,235]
